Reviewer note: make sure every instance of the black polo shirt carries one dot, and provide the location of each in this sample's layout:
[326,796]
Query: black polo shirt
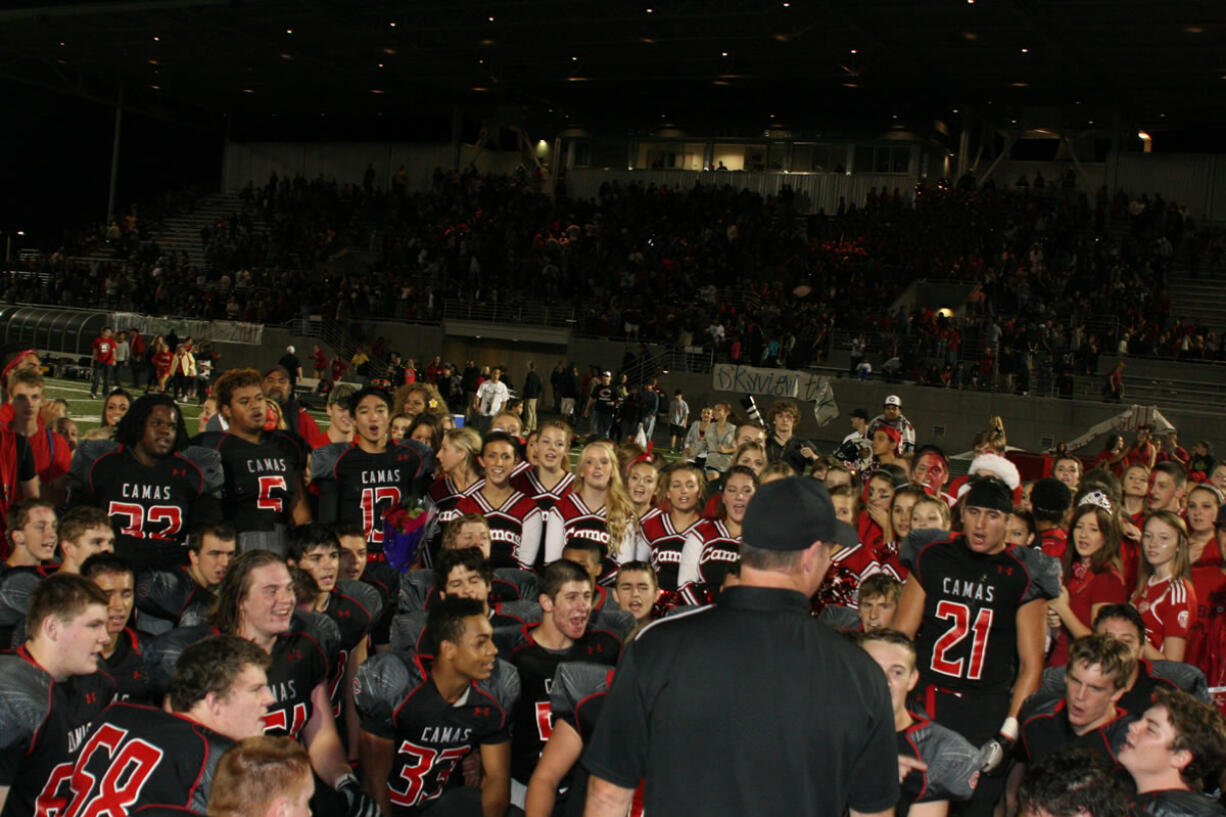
[749,706]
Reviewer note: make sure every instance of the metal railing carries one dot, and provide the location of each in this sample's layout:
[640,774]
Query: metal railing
[527,313]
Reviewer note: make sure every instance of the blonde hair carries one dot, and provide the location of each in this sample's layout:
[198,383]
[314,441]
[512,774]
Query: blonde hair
[468,441]
[256,771]
[993,436]
[946,515]
[567,434]
[619,510]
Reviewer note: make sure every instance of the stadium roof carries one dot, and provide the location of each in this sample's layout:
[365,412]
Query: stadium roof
[705,65]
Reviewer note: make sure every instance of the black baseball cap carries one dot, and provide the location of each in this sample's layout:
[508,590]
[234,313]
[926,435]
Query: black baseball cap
[861,413]
[789,514]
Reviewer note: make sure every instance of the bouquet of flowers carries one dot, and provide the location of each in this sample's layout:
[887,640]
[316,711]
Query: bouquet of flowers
[404,529]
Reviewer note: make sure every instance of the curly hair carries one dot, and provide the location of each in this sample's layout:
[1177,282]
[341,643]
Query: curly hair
[131,427]
[1198,730]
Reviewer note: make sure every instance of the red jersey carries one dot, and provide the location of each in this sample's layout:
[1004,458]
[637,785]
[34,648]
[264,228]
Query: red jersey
[1210,585]
[162,361]
[1168,609]
[1053,542]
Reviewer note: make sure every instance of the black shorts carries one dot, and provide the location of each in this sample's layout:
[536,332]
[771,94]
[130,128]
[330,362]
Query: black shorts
[676,430]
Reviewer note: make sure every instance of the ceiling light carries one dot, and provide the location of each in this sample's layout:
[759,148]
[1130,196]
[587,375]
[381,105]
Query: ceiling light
[287,56]
[1194,30]
[1025,50]
[487,41]
[156,39]
[720,82]
[291,31]
[480,88]
[647,40]
[248,90]
[1020,84]
[854,51]
[392,24]
[62,45]
[376,90]
[156,87]
[153,62]
[574,59]
[723,53]
[391,52]
[491,18]
[851,85]
[380,65]
[1144,137]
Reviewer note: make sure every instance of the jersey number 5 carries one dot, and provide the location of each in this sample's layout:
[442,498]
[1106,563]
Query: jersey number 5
[960,616]
[421,761]
[170,515]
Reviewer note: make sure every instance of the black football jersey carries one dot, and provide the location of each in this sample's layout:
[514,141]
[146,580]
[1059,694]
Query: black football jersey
[385,581]
[533,717]
[260,478]
[165,598]
[142,757]
[1175,803]
[578,694]
[1045,728]
[364,486]
[968,637]
[127,666]
[42,723]
[408,629]
[398,701]
[953,765]
[152,507]
[1151,676]
[353,621]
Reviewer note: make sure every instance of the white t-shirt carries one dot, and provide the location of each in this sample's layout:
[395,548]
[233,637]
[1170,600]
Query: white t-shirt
[491,397]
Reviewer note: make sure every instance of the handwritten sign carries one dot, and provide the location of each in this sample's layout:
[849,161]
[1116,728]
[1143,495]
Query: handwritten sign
[804,387]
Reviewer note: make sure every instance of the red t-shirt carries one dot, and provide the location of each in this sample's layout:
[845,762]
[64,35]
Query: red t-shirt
[1086,589]
[104,350]
[51,455]
[1168,610]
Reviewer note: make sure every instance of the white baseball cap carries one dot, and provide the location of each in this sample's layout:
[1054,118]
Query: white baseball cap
[893,400]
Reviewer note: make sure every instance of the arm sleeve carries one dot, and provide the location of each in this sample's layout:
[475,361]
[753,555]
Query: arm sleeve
[555,536]
[687,571]
[1044,572]
[329,500]
[530,539]
[15,596]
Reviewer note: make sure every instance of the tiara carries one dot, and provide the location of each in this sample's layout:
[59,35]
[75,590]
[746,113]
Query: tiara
[1096,498]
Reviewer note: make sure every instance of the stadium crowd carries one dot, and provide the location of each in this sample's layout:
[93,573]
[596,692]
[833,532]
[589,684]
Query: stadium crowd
[435,613]
[1056,276]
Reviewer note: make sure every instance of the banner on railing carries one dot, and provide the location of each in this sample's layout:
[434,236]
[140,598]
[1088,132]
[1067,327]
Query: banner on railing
[804,387]
[223,331]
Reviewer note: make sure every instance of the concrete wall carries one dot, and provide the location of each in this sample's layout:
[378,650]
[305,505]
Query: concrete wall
[949,418]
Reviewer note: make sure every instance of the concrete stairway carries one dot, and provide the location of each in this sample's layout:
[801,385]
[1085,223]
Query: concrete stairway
[181,232]
[1202,299]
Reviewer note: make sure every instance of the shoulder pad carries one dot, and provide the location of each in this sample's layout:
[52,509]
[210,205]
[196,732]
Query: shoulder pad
[84,457]
[1187,677]
[509,638]
[163,653]
[381,683]
[324,459]
[618,622]
[953,763]
[575,680]
[416,586]
[210,438]
[1052,685]
[319,627]
[917,540]
[161,593]
[384,578]
[23,706]
[838,617]
[1044,573]
[406,630]
[524,581]
[208,460]
[1177,803]
[1036,705]
[503,684]
[364,594]
[15,589]
[529,612]
[424,453]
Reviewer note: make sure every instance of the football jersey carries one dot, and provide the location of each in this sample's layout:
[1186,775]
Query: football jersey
[533,719]
[573,520]
[708,551]
[385,581]
[353,620]
[398,701]
[577,696]
[953,765]
[1174,803]
[665,542]
[299,664]
[142,757]
[514,523]
[260,478]
[527,482]
[1168,609]
[1046,728]
[152,507]
[365,486]
[127,666]
[165,598]
[1151,675]
[968,636]
[42,722]
[408,628]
